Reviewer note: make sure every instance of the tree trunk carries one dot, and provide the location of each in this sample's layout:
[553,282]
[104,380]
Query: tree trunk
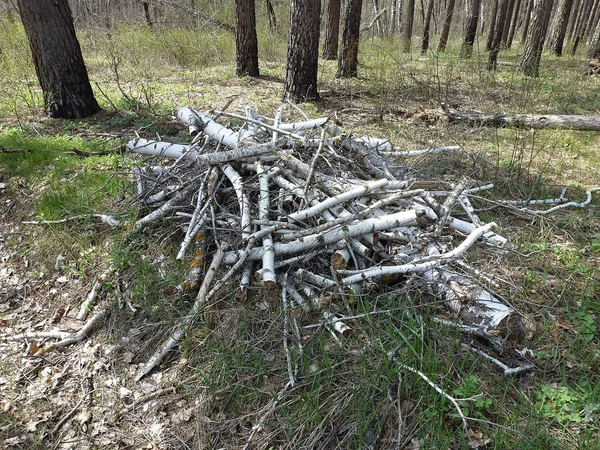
[559,28]
[509,14]
[303,50]
[581,25]
[57,58]
[534,44]
[594,49]
[348,61]
[527,20]
[593,19]
[577,5]
[488,45]
[332,30]
[271,16]
[408,25]
[498,31]
[446,27]
[148,17]
[246,42]
[471,30]
[426,28]
[513,24]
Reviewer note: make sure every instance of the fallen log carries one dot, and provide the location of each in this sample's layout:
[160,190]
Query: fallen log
[539,121]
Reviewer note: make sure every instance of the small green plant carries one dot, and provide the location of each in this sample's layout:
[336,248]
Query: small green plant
[469,388]
[585,324]
[564,405]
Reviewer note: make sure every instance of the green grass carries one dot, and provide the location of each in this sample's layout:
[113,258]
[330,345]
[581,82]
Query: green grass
[348,393]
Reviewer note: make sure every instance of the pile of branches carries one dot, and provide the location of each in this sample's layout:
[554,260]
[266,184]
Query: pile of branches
[321,216]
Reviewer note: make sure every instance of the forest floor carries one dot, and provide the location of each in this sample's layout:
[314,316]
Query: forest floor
[229,371]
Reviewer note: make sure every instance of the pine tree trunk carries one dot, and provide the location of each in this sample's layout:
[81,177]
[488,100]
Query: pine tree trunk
[246,42]
[513,24]
[497,37]
[271,16]
[348,61]
[509,14]
[332,30]
[577,5]
[527,20]
[57,58]
[471,30]
[559,28]
[594,49]
[582,25]
[303,50]
[488,45]
[408,25]
[426,28]
[147,16]
[534,44]
[446,27]
[593,19]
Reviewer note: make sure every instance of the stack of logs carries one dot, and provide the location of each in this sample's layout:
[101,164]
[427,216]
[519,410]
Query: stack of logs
[304,208]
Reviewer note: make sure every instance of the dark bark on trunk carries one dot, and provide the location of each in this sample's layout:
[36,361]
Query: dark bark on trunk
[446,28]
[146,6]
[271,16]
[488,45]
[471,30]
[593,19]
[348,61]
[332,30]
[303,50]
[498,31]
[509,14]
[513,24]
[534,44]
[594,49]
[408,25]
[581,25]
[427,28]
[577,5]
[57,58]
[559,29]
[246,42]
[527,20]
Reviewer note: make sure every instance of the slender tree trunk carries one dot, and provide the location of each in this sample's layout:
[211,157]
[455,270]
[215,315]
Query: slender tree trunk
[577,5]
[527,20]
[497,38]
[594,49]
[408,25]
[246,42]
[446,27]
[392,16]
[471,29]
[332,30]
[534,44]
[57,58]
[426,28]
[581,25]
[559,28]
[509,13]
[348,60]
[303,50]
[146,6]
[513,24]
[593,19]
[271,16]
[488,45]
